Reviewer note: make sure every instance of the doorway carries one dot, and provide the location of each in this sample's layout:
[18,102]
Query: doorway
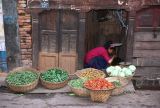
[106,25]
[58,31]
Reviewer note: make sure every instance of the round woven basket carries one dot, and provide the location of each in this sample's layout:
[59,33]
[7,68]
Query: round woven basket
[100,95]
[80,72]
[124,80]
[53,85]
[118,90]
[82,92]
[23,88]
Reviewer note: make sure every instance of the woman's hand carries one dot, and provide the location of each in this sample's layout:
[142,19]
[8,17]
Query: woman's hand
[110,61]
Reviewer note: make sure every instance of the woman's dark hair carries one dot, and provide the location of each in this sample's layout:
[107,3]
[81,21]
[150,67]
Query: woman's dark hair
[107,44]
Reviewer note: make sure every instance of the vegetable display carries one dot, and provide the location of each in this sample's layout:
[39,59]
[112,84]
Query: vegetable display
[115,80]
[117,83]
[92,73]
[21,78]
[55,75]
[98,84]
[121,72]
[77,83]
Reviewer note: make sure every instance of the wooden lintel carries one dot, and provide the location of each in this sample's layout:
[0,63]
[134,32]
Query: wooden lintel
[86,5]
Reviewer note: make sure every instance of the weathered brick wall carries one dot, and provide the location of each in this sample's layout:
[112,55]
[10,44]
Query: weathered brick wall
[24,21]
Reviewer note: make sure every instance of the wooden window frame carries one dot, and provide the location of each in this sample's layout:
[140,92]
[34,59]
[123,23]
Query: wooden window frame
[155,21]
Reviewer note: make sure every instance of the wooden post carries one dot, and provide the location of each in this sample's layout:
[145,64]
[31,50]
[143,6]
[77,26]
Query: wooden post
[35,39]
[81,39]
[130,36]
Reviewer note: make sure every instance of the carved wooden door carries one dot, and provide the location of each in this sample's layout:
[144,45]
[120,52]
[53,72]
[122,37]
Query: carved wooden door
[58,40]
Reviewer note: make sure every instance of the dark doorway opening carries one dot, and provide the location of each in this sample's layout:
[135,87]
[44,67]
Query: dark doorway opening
[104,25]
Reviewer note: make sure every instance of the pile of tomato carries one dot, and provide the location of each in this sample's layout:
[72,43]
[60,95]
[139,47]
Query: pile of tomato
[98,84]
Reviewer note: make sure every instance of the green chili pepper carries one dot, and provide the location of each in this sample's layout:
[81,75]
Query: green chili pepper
[77,83]
[55,75]
[21,78]
[117,83]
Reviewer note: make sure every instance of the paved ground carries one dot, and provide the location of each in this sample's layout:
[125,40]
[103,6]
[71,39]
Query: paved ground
[130,99]
[139,99]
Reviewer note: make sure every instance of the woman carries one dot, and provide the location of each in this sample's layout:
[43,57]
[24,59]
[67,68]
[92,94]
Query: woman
[100,57]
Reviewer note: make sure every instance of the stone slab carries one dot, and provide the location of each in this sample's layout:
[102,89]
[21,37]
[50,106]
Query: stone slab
[66,89]
[40,89]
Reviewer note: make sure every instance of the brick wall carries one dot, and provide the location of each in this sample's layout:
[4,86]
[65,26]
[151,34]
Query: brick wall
[24,21]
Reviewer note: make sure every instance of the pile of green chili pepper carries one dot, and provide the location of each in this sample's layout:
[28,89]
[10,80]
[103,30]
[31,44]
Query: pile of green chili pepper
[55,75]
[77,83]
[21,78]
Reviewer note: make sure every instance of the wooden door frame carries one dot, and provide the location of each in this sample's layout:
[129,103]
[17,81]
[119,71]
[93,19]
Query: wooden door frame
[35,35]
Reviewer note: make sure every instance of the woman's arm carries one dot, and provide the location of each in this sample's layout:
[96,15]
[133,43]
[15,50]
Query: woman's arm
[111,60]
[107,57]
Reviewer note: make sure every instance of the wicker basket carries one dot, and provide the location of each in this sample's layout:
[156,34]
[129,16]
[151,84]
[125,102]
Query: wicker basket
[100,95]
[118,90]
[23,88]
[124,80]
[82,92]
[79,72]
[53,85]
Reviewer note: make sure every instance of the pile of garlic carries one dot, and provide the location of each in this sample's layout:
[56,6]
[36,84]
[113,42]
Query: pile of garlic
[121,72]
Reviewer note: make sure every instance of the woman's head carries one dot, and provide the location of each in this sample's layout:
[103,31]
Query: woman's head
[107,44]
[111,50]
[108,47]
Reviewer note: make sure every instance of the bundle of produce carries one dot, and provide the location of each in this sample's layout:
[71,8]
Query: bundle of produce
[100,89]
[90,73]
[54,78]
[77,87]
[22,79]
[121,71]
